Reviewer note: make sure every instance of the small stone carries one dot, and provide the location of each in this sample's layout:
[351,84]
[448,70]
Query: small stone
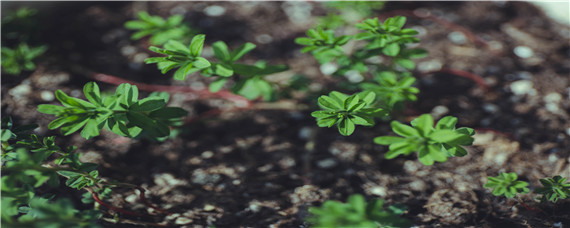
[197,86]
[20,90]
[568,131]
[523,52]
[47,96]
[327,163]
[457,37]
[490,108]
[183,221]
[551,107]
[439,111]
[328,68]
[207,154]
[305,132]
[128,50]
[427,66]
[264,38]
[209,207]
[378,191]
[140,57]
[354,76]
[214,11]
[131,198]
[552,98]
[521,87]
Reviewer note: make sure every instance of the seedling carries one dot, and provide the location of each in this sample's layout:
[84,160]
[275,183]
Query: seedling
[357,213]
[553,189]
[432,144]
[346,111]
[159,29]
[323,44]
[14,61]
[122,113]
[506,184]
[250,83]
[392,90]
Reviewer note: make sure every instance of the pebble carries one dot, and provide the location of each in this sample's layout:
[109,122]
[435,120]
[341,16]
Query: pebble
[47,96]
[329,68]
[490,108]
[197,86]
[167,179]
[20,90]
[183,221]
[354,76]
[327,163]
[209,207]
[457,37]
[421,30]
[568,131]
[428,66]
[305,132]
[439,111]
[207,154]
[552,98]
[298,12]
[128,50]
[378,191]
[523,52]
[522,87]
[140,57]
[264,38]
[214,11]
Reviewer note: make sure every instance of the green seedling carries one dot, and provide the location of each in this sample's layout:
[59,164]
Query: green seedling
[553,189]
[506,184]
[122,113]
[14,61]
[186,58]
[159,29]
[431,144]
[323,44]
[392,90]
[357,213]
[388,36]
[346,111]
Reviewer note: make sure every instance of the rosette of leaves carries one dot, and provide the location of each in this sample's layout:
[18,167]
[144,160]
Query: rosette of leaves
[346,111]
[431,144]
[14,61]
[159,29]
[356,212]
[122,113]
[389,36]
[553,189]
[323,44]
[506,184]
[186,58]
[392,89]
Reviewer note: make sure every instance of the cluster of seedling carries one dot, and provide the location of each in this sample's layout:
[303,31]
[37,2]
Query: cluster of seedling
[383,91]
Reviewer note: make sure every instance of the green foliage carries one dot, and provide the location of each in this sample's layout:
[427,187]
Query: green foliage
[250,82]
[388,36]
[14,61]
[357,213]
[122,113]
[432,144]
[341,13]
[507,184]
[323,44]
[392,90]
[347,111]
[186,58]
[159,29]
[553,189]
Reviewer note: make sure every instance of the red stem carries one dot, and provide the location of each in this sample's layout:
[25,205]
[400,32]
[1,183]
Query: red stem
[480,81]
[143,199]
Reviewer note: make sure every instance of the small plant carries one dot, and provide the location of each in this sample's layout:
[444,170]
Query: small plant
[250,82]
[122,113]
[323,44]
[506,184]
[357,213]
[159,29]
[14,61]
[553,189]
[432,144]
[347,111]
[391,90]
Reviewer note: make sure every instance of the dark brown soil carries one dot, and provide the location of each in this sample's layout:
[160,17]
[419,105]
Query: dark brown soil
[264,168]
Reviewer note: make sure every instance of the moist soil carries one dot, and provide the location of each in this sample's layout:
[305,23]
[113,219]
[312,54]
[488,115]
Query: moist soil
[266,167]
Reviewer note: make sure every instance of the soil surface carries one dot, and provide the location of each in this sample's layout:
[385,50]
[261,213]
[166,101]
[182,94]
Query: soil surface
[264,167]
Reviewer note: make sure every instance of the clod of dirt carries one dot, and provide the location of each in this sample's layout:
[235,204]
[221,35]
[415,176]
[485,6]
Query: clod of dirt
[450,206]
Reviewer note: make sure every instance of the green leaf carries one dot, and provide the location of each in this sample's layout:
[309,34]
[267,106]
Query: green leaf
[399,148]
[346,127]
[447,122]
[329,103]
[403,130]
[221,51]
[91,129]
[183,71]
[304,41]
[50,109]
[201,63]
[197,44]
[148,104]
[242,50]
[424,124]
[217,85]
[387,140]
[391,49]
[168,113]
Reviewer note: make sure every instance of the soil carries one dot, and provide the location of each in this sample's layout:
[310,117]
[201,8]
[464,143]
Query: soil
[264,168]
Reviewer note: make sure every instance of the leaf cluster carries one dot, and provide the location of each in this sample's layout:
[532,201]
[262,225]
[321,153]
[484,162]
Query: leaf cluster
[159,29]
[21,58]
[122,113]
[431,144]
[388,36]
[553,189]
[346,111]
[392,89]
[250,82]
[356,212]
[506,184]
[323,44]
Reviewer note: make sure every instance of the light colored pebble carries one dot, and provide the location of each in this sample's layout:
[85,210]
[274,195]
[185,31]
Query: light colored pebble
[128,50]
[457,37]
[183,221]
[552,98]
[207,154]
[329,68]
[140,57]
[354,76]
[47,96]
[523,52]
[20,90]
[305,132]
[439,111]
[428,66]
[326,163]
[214,11]
[521,87]
[264,38]
[209,207]
[490,108]
[378,191]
